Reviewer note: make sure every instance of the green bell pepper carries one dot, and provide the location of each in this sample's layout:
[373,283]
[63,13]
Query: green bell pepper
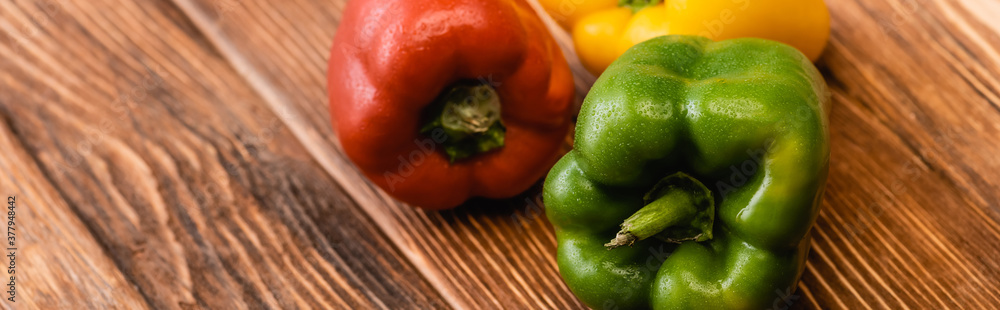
[703,163]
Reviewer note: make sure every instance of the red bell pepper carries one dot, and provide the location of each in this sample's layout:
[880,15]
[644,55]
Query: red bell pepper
[437,101]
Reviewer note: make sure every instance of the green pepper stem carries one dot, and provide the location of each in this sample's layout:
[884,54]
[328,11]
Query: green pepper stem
[669,210]
[469,115]
[637,5]
[679,208]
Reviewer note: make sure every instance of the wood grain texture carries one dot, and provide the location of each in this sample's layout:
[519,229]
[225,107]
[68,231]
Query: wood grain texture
[911,214]
[51,242]
[219,183]
[193,188]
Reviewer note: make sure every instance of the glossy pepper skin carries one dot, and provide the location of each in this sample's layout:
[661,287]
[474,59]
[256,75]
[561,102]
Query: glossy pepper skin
[747,118]
[603,29]
[392,60]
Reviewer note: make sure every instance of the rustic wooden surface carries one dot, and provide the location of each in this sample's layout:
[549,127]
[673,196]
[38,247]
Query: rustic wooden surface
[177,154]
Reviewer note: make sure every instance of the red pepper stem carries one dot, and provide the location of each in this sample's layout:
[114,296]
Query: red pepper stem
[469,115]
[679,208]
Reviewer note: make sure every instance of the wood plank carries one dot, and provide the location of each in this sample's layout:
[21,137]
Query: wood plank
[195,189]
[58,264]
[912,207]
[910,215]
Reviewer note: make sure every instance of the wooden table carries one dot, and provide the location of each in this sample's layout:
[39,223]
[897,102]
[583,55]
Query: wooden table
[177,154]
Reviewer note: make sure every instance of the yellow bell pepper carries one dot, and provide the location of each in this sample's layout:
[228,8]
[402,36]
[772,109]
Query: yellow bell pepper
[603,29]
